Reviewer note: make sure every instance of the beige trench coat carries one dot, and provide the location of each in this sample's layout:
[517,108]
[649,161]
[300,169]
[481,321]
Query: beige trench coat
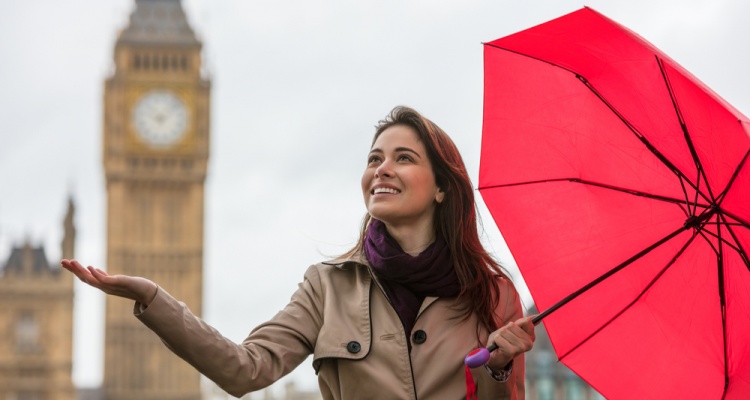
[340,315]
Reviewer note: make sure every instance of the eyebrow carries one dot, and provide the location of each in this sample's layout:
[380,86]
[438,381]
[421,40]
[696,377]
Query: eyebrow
[397,150]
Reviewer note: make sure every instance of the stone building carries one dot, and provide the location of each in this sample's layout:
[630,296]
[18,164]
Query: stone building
[155,152]
[36,322]
[547,378]
[278,391]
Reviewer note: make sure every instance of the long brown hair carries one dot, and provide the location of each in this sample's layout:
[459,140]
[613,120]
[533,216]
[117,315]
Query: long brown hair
[455,217]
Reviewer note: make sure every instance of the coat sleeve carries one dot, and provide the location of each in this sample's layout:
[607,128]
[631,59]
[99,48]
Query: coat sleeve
[271,351]
[514,388]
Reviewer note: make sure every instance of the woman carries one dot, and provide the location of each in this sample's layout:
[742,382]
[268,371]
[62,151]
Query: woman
[391,319]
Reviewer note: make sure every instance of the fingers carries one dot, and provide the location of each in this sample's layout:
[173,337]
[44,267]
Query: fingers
[517,337]
[76,268]
[513,339]
[85,275]
[527,324]
[134,288]
[98,274]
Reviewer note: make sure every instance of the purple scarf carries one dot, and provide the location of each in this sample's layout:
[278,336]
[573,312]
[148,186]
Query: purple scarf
[406,279]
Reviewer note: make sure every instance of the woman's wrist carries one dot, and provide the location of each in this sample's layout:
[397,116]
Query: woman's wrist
[502,374]
[498,363]
[150,294]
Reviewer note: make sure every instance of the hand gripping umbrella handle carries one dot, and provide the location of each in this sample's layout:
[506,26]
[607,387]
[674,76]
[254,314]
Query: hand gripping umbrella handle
[480,356]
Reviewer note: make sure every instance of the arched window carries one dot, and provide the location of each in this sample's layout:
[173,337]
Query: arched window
[173,223]
[545,384]
[27,332]
[145,224]
[574,388]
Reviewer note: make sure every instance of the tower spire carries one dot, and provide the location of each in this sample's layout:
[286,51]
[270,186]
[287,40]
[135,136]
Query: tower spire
[158,22]
[69,232]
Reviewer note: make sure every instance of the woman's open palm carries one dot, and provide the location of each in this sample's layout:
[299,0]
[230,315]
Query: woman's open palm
[130,287]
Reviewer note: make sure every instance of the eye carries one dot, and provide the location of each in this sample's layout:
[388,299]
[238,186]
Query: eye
[373,159]
[404,157]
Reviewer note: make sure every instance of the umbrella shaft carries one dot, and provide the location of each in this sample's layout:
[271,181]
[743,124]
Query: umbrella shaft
[539,317]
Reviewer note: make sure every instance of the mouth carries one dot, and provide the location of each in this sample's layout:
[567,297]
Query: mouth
[385,190]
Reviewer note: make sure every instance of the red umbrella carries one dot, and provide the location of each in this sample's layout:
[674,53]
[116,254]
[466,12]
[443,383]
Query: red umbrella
[621,185]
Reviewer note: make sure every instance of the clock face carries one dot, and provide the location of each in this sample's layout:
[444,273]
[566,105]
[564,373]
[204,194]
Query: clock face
[160,118]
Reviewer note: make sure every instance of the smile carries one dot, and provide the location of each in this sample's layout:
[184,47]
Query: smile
[385,190]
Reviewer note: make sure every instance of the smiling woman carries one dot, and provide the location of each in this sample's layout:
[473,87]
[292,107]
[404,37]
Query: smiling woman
[399,187]
[393,317]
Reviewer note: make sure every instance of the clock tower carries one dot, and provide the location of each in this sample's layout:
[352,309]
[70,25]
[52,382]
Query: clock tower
[155,152]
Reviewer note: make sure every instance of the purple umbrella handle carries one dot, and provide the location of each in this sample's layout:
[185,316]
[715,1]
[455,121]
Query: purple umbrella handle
[479,356]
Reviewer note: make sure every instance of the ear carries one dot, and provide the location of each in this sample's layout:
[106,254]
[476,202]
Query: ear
[439,196]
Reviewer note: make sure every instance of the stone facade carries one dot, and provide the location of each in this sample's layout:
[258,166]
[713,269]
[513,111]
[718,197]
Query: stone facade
[547,378]
[36,323]
[156,145]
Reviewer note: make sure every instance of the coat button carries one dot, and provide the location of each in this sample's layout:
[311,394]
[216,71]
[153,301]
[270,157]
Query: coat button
[419,337]
[353,347]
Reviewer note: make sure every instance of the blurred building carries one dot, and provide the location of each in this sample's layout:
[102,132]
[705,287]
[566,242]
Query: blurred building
[548,379]
[155,152]
[278,391]
[36,322]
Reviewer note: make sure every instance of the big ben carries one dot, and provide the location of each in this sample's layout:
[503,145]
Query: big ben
[155,153]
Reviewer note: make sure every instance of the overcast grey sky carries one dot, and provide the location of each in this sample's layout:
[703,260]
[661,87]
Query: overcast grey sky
[297,88]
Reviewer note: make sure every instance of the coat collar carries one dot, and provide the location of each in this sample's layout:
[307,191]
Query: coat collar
[345,261]
[358,258]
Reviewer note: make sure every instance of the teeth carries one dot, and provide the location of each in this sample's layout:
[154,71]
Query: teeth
[385,190]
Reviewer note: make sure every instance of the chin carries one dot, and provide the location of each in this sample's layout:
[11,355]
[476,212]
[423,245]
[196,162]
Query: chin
[380,215]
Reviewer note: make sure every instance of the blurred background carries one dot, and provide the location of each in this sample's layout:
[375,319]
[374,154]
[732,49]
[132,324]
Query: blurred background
[295,90]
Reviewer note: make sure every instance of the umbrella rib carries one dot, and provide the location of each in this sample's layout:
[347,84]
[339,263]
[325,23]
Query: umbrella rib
[739,248]
[742,222]
[539,317]
[622,118]
[719,250]
[601,185]
[629,305]
[683,127]
[723,305]
[687,201]
[725,241]
[645,142]
[530,56]
[732,179]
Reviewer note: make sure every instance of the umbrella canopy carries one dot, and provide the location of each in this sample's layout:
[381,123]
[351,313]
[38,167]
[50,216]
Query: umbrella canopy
[614,174]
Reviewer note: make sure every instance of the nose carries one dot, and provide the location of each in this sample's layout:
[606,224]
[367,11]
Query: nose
[384,170]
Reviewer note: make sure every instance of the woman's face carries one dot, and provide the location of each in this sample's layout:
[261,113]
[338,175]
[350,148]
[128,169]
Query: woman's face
[398,184]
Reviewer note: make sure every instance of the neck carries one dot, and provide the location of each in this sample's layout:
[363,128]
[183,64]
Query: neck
[413,239]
